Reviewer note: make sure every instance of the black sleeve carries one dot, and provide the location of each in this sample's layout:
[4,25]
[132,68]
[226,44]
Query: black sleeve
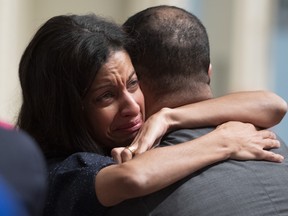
[72,185]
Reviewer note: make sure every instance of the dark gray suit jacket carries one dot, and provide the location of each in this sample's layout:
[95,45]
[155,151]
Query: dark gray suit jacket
[229,188]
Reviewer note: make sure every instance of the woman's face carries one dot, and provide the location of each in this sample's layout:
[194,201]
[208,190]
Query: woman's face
[114,105]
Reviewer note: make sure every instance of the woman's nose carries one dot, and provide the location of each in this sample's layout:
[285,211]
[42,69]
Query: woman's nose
[129,105]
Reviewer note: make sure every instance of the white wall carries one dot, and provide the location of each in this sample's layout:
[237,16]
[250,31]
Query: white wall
[15,31]
[251,44]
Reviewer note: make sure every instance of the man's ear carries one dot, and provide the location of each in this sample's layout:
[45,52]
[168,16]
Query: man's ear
[210,71]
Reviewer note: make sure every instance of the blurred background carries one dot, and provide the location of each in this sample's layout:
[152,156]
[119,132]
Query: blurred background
[249,41]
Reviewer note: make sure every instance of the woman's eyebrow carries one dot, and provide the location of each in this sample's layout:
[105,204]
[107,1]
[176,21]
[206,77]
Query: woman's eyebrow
[131,75]
[105,84]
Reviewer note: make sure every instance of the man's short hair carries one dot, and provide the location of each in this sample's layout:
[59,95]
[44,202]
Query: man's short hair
[170,49]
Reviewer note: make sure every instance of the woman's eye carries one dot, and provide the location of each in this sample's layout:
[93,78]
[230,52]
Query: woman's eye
[105,97]
[133,84]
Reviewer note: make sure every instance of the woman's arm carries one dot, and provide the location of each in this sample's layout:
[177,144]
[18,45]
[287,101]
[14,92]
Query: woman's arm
[160,167]
[262,108]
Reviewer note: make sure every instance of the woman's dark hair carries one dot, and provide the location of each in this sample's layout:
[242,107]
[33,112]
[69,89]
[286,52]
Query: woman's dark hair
[56,71]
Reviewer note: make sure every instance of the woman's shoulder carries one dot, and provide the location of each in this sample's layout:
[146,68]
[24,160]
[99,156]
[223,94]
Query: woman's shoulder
[72,184]
[79,162]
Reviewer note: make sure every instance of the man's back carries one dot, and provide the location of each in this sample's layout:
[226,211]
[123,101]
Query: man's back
[175,72]
[227,188]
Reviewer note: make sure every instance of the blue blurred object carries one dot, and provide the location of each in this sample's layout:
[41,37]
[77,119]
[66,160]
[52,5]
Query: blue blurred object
[22,173]
[10,204]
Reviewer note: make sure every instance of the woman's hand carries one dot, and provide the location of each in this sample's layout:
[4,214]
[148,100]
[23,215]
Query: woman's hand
[247,143]
[148,136]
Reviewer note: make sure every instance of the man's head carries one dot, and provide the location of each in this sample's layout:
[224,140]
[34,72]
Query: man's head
[170,54]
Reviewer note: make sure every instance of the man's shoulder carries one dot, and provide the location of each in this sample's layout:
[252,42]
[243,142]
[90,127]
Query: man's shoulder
[184,135]
[226,188]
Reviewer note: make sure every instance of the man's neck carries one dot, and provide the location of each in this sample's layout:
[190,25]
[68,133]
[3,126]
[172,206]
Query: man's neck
[154,104]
